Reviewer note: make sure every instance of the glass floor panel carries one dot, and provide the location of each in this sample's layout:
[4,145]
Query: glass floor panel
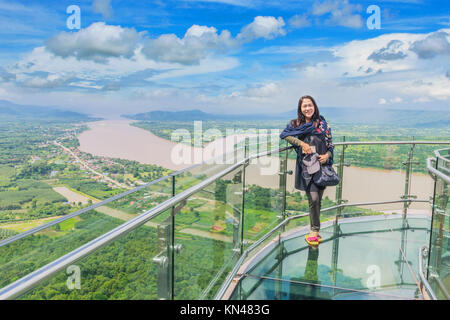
[372,259]
[276,289]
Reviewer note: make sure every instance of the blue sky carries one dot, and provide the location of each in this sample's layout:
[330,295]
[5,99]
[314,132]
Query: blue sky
[224,56]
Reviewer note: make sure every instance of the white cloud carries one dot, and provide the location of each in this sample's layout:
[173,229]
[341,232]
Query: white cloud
[265,91]
[421,100]
[262,27]
[7,92]
[100,42]
[97,42]
[207,65]
[5,75]
[325,7]
[339,12]
[103,7]
[100,55]
[260,92]
[200,41]
[436,88]
[196,44]
[353,80]
[391,52]
[358,56]
[201,50]
[134,71]
[50,81]
[394,73]
[299,21]
[435,44]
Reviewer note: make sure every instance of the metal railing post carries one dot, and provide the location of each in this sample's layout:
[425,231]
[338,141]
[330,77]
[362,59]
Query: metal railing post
[433,207]
[423,251]
[336,228]
[172,253]
[162,260]
[242,220]
[282,185]
[408,165]
[438,224]
[165,258]
[341,182]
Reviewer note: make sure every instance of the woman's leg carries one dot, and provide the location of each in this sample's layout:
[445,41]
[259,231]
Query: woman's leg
[314,195]
[321,191]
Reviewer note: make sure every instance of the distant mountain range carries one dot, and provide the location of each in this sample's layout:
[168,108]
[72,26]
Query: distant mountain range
[390,117]
[38,112]
[334,115]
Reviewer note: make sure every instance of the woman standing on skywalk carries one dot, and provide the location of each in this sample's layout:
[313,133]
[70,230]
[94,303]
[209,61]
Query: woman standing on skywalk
[311,137]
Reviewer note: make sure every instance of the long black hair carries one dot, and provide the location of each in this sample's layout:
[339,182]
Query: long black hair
[301,119]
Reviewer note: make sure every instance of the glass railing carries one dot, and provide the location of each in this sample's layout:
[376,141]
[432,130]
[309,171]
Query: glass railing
[207,229]
[187,235]
[438,270]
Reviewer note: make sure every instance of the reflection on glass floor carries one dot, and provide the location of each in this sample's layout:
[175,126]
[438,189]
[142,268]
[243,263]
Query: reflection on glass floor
[358,259]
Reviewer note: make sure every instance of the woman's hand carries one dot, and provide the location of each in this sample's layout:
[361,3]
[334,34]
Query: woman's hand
[323,158]
[306,148]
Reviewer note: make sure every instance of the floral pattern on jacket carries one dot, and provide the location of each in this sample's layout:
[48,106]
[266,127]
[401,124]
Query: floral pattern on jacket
[326,130]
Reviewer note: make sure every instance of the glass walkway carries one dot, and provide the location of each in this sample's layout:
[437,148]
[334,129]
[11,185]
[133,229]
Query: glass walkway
[360,258]
[235,229]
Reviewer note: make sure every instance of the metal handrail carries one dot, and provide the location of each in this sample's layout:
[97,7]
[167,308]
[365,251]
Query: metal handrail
[26,283]
[422,276]
[438,155]
[433,171]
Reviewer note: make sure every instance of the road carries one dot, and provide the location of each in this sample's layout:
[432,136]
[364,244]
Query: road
[85,165]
